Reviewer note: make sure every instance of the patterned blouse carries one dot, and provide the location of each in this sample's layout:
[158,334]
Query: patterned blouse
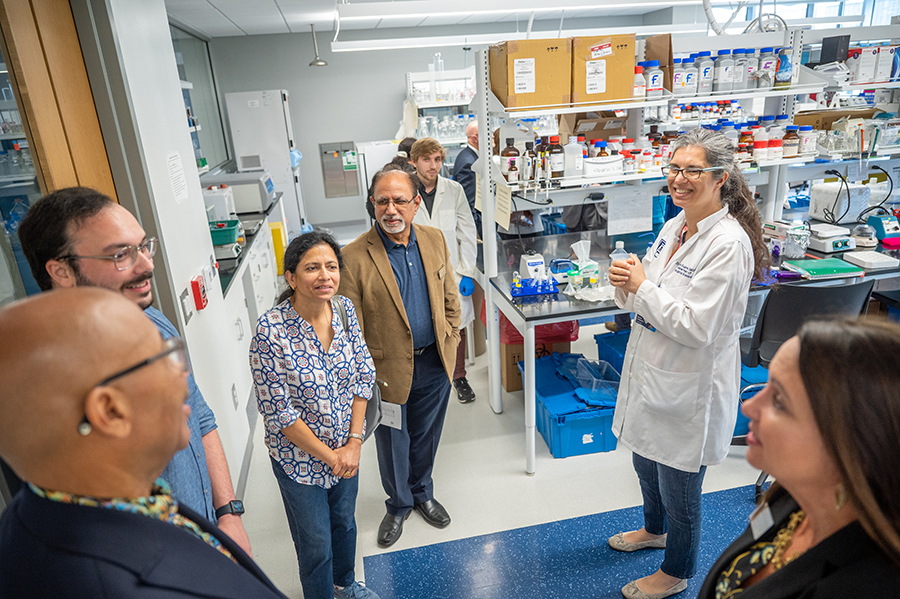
[296,378]
[742,568]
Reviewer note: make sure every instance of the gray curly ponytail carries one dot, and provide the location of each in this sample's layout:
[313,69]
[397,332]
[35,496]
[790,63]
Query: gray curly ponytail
[735,194]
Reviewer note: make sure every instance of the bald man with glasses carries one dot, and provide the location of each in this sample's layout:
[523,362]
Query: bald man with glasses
[94,406]
[78,237]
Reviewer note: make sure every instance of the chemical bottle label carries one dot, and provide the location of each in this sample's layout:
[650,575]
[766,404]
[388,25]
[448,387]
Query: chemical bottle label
[557,162]
[706,73]
[689,81]
[724,74]
[656,83]
[678,80]
[640,91]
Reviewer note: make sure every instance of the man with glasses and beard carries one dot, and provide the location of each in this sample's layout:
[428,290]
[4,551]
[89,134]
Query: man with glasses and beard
[400,279]
[79,237]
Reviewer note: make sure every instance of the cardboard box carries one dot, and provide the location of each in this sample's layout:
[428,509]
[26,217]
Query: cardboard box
[885,63]
[581,123]
[602,68]
[659,47]
[532,72]
[861,62]
[511,355]
[823,119]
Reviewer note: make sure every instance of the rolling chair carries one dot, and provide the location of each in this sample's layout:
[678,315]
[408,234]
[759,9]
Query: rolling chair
[783,312]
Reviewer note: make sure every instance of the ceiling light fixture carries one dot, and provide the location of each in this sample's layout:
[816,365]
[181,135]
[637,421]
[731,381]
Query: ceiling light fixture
[317,62]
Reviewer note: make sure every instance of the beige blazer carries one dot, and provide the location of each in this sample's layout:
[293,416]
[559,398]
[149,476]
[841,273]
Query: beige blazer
[368,280]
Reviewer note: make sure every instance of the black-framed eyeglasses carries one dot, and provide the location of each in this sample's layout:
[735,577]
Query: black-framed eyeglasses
[174,352]
[688,173]
[383,202]
[125,257]
[177,358]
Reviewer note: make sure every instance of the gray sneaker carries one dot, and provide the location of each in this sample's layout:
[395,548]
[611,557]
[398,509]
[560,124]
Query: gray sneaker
[357,590]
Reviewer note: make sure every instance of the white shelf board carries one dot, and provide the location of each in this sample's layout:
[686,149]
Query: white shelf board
[581,182]
[203,170]
[192,129]
[782,161]
[452,141]
[866,85]
[13,136]
[441,104]
[187,85]
[770,92]
[528,111]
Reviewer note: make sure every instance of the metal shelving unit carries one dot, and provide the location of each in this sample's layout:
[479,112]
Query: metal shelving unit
[771,174]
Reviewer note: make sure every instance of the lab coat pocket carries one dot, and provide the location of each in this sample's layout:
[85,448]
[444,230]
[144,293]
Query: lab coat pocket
[670,394]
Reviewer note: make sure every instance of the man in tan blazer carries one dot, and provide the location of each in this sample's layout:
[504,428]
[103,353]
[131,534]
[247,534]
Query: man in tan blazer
[401,281]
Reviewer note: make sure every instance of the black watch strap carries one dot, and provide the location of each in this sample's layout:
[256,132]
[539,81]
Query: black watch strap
[235,507]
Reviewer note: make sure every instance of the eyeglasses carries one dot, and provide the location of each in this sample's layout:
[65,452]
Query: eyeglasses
[688,173]
[177,358]
[125,257]
[383,202]
[174,352]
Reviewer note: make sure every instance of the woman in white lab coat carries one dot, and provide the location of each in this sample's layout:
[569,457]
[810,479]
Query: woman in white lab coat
[678,398]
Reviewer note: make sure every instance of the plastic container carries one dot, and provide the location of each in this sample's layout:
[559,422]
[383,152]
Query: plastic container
[808,140]
[776,150]
[677,77]
[768,64]
[705,67]
[739,75]
[611,348]
[640,84]
[600,382]
[760,150]
[691,76]
[224,232]
[567,425]
[654,78]
[785,72]
[574,158]
[752,67]
[724,78]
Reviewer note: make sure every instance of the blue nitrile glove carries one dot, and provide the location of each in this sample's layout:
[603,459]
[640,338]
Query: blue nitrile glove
[466,286]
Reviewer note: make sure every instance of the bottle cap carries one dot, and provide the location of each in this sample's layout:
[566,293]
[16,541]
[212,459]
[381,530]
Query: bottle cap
[652,63]
[580,138]
[629,140]
[554,139]
[529,145]
[761,144]
[764,50]
[510,141]
[638,70]
[601,143]
[596,143]
[723,52]
[791,127]
[688,61]
[705,53]
[774,143]
[676,61]
[806,127]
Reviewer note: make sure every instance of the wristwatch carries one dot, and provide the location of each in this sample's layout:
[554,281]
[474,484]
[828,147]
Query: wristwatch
[357,436]
[235,506]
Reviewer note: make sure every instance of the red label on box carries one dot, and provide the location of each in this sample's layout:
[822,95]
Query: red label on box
[601,50]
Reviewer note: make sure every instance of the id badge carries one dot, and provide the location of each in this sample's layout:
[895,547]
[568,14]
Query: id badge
[761,520]
[391,415]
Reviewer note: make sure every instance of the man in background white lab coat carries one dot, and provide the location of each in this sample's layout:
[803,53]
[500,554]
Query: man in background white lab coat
[444,206]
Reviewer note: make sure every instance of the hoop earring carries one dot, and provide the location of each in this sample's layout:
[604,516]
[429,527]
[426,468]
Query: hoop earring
[840,497]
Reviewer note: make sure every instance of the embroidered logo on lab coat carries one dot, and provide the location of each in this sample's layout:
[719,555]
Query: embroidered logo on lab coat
[640,320]
[685,271]
[659,247]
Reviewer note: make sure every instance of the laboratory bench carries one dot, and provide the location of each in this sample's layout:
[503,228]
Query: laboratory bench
[528,312]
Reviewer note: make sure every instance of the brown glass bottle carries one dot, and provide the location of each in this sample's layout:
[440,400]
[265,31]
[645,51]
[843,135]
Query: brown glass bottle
[556,157]
[530,162]
[510,151]
[746,138]
[512,173]
[540,165]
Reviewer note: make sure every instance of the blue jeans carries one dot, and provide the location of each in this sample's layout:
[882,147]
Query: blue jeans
[672,504]
[323,526]
[406,456]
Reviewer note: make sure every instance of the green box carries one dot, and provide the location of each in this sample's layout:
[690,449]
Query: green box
[224,232]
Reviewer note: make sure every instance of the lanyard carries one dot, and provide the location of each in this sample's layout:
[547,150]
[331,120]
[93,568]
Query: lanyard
[680,242]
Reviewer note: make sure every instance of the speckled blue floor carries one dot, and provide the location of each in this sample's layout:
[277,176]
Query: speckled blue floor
[568,559]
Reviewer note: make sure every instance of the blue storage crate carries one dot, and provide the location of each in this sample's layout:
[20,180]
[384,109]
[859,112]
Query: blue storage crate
[567,426]
[611,348]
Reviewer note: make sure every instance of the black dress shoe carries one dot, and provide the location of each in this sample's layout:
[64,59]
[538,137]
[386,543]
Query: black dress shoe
[390,529]
[434,513]
[463,390]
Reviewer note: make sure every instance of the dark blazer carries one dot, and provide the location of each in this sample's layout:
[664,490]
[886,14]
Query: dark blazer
[462,173]
[846,565]
[53,550]
[368,280]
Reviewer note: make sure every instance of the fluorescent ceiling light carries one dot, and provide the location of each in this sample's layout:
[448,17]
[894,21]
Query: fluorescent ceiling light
[433,8]
[493,38]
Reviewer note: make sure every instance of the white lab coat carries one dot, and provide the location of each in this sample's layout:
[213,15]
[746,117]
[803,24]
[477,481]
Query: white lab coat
[678,398]
[452,215]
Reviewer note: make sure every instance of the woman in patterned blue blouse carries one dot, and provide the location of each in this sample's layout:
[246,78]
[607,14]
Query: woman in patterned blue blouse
[312,381]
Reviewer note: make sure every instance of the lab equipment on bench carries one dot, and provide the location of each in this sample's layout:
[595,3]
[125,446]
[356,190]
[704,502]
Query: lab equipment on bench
[864,236]
[830,238]
[532,265]
[885,226]
[532,286]
[836,202]
[219,203]
[871,260]
[253,191]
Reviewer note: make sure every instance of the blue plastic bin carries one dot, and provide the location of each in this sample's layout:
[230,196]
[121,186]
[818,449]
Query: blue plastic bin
[567,426]
[611,348]
[749,376]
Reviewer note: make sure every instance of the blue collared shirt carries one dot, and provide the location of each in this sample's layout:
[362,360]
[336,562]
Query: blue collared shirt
[406,262]
[187,473]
